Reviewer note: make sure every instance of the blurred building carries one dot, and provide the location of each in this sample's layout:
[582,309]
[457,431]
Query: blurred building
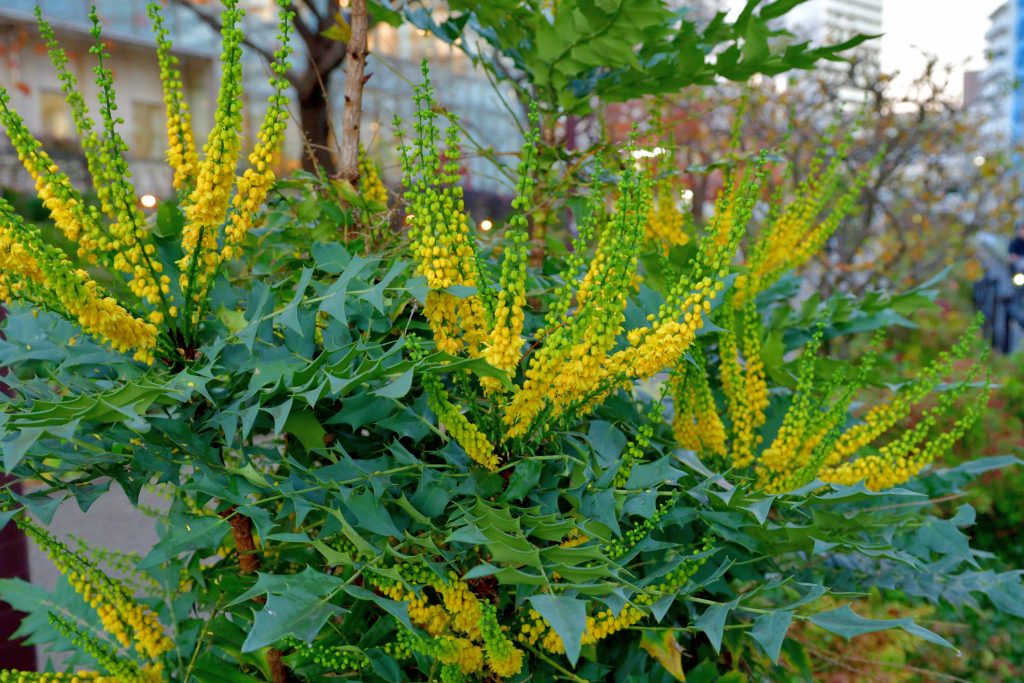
[1001,87]
[972,86]
[833,21]
[28,75]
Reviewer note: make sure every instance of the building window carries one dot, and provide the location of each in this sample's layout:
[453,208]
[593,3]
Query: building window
[56,116]
[150,129]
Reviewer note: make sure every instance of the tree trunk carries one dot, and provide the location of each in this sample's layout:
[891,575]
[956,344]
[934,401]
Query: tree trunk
[355,65]
[315,120]
[13,564]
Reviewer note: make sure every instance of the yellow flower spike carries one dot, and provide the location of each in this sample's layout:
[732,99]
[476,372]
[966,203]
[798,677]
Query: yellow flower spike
[91,142]
[696,423]
[128,621]
[209,201]
[570,366]
[128,232]
[45,274]
[79,222]
[441,244]
[599,626]
[800,228]
[476,444]
[884,416]
[504,659]
[744,384]
[181,146]
[255,182]
[370,185]
[505,344]
[666,223]
[799,434]
[914,449]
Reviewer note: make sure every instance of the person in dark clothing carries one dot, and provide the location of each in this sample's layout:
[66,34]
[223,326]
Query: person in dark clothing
[1017,250]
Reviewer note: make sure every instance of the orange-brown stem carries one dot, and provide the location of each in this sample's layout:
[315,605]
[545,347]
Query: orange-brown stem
[249,562]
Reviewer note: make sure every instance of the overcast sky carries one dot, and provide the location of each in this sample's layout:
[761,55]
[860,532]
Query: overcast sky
[954,30]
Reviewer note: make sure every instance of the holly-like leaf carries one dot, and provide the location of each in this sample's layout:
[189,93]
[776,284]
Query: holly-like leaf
[770,631]
[845,622]
[567,616]
[661,644]
[292,614]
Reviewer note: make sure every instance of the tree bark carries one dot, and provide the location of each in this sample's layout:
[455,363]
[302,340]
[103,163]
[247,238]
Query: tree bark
[13,564]
[314,117]
[355,66]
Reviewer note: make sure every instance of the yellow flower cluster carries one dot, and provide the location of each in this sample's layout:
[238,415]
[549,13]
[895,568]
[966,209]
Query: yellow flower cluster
[571,285]
[536,629]
[41,275]
[370,185]
[577,364]
[800,228]
[476,444]
[439,234]
[666,223]
[912,450]
[252,187]
[209,201]
[8,676]
[813,441]
[130,240]
[800,433]
[696,422]
[884,416]
[79,222]
[465,631]
[674,328]
[570,367]
[123,617]
[505,343]
[181,146]
[743,382]
[90,142]
[29,265]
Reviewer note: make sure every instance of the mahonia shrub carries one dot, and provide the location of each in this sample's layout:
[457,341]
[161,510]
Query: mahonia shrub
[445,465]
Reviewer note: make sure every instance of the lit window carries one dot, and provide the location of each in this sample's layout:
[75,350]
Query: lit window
[149,121]
[56,117]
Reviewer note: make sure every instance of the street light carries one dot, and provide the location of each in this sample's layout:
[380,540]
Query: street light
[148,201]
[486,224]
[979,160]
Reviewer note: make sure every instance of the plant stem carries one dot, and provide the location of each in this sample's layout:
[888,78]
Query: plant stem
[248,563]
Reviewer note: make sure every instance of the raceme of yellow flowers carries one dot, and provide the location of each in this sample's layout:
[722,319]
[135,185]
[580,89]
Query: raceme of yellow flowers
[464,630]
[140,314]
[575,365]
[666,221]
[131,624]
[814,441]
[795,231]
